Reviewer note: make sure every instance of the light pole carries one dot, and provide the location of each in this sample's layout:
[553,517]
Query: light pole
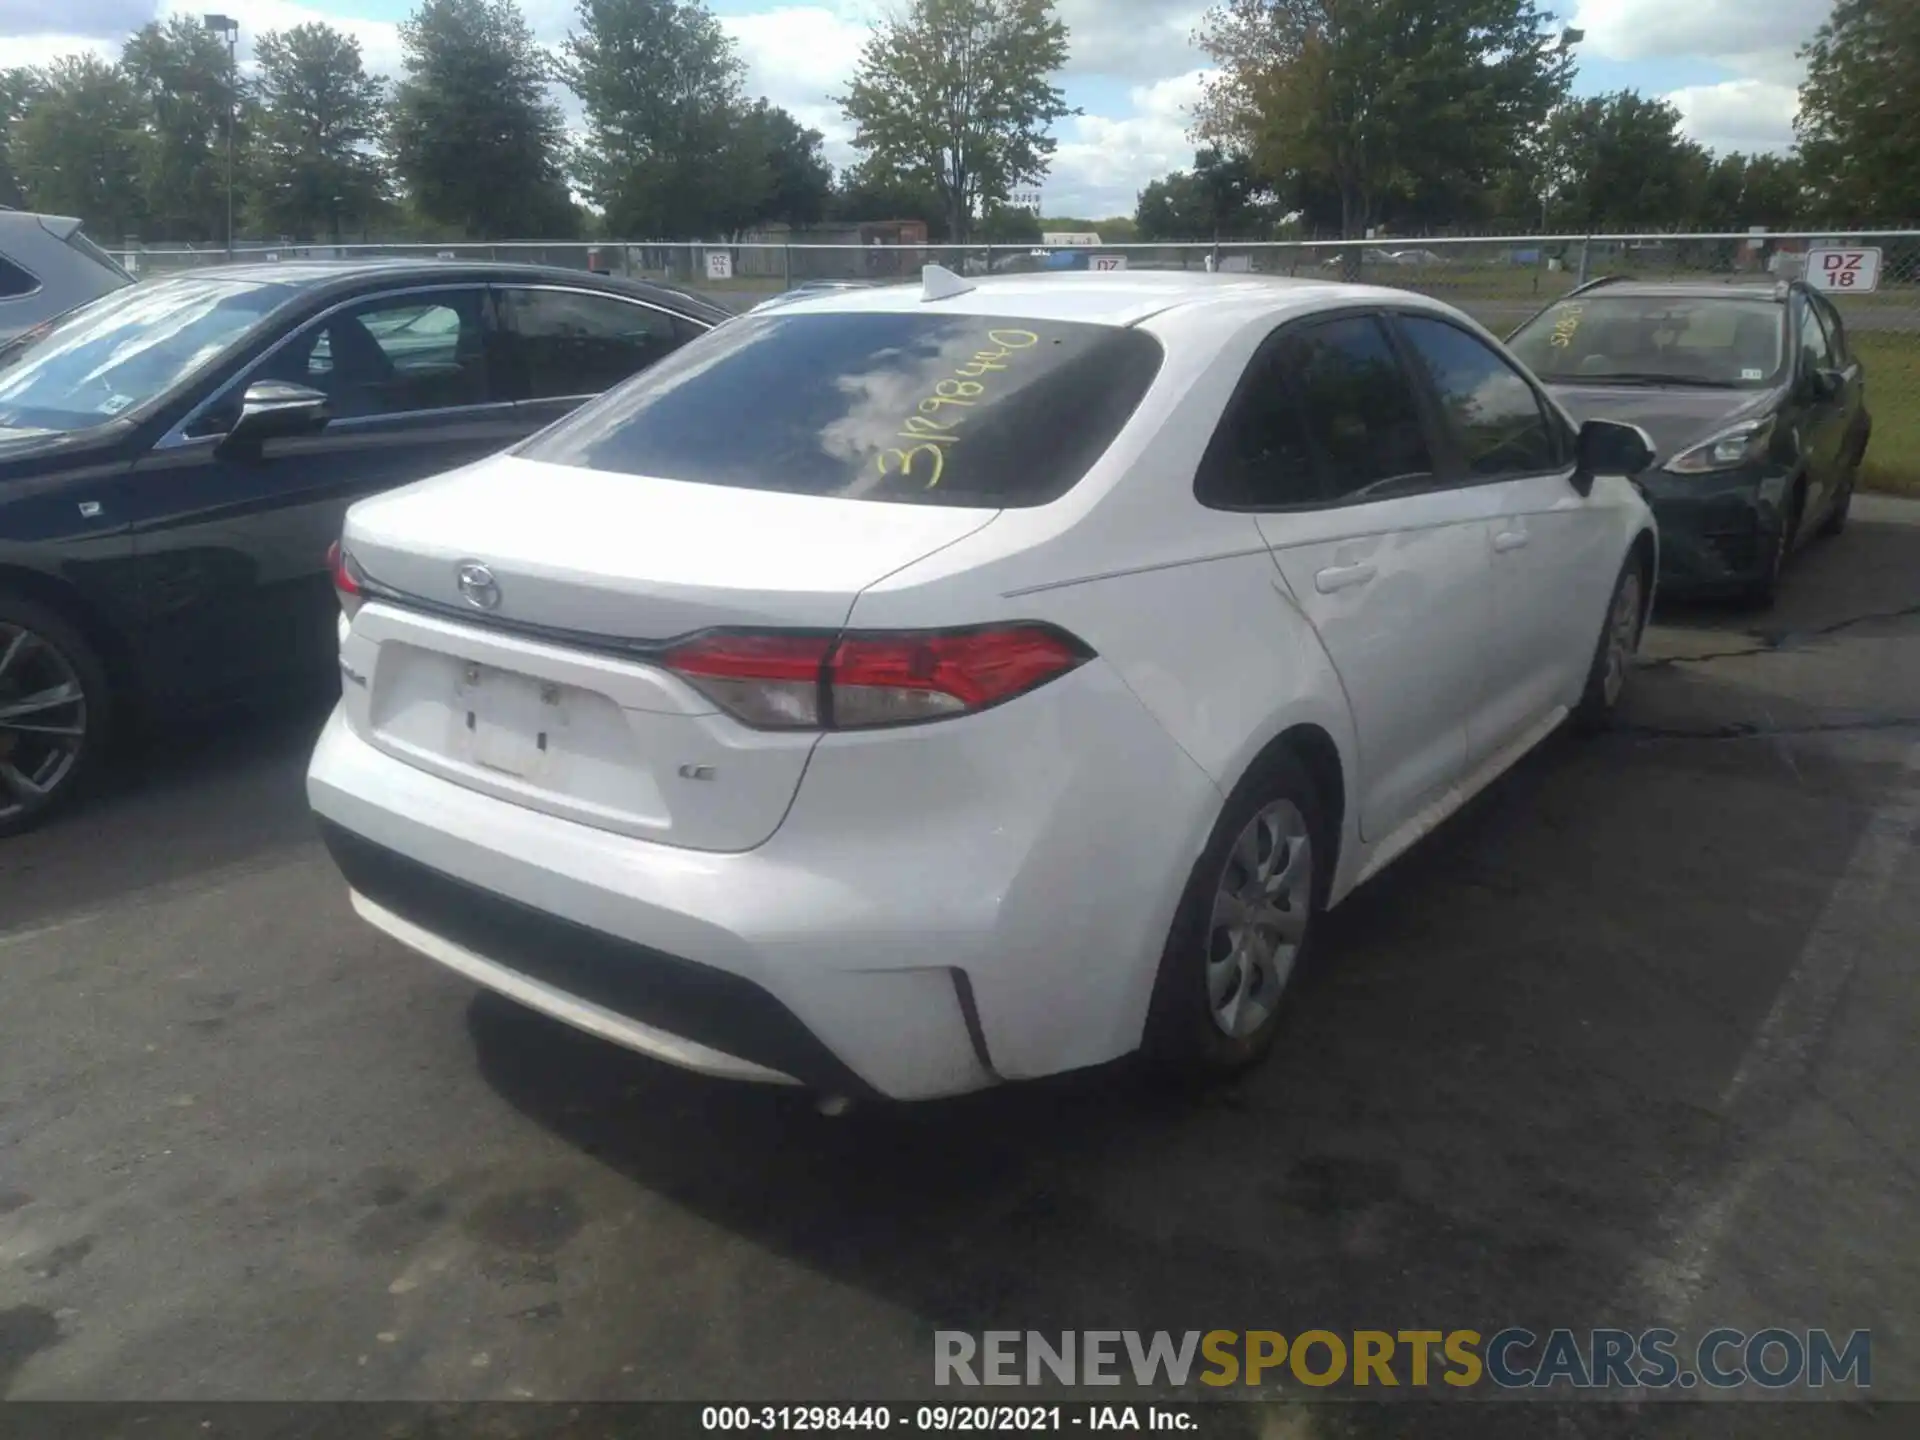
[1569,38]
[225,25]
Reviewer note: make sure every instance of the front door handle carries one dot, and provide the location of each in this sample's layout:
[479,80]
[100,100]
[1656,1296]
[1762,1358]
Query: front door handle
[1342,577]
[1505,540]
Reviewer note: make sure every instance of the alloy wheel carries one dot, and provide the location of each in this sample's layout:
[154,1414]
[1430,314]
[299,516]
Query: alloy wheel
[1623,636]
[1260,911]
[43,719]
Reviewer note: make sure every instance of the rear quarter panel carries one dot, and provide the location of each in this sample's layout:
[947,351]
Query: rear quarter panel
[1183,602]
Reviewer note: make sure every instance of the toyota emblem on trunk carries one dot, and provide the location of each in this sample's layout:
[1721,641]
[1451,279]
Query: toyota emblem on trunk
[477,585]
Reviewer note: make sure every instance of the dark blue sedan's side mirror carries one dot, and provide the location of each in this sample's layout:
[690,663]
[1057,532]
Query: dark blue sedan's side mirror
[275,409]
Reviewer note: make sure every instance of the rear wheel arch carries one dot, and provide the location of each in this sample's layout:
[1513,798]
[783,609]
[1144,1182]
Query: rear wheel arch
[1314,749]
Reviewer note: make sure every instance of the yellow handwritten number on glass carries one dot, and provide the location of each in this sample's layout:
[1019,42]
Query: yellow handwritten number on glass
[906,458]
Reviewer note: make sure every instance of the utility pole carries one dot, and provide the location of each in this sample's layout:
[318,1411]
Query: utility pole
[230,28]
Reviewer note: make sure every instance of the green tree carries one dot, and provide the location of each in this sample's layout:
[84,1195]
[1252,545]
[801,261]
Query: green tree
[956,96]
[865,192]
[1773,192]
[667,155]
[1345,104]
[473,135]
[17,89]
[1221,197]
[1619,162]
[313,163]
[80,146]
[799,179]
[1010,225]
[1859,121]
[183,75]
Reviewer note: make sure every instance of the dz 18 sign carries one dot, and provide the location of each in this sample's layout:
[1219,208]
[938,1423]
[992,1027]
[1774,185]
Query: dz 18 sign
[1851,271]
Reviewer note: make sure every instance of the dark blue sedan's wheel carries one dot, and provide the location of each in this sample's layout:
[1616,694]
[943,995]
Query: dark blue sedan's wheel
[52,711]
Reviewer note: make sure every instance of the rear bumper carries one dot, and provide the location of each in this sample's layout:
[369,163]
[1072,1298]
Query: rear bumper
[943,908]
[689,1015]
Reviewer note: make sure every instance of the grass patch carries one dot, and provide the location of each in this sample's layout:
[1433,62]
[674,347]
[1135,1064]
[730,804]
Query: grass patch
[1892,361]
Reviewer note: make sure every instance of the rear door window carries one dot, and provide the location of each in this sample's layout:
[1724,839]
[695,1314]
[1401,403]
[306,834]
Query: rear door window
[1361,409]
[568,343]
[917,409]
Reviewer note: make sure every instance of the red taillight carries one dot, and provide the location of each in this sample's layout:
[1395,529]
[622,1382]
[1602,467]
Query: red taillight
[823,682]
[346,579]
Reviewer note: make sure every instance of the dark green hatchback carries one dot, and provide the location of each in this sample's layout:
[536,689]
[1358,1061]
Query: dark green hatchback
[1754,403]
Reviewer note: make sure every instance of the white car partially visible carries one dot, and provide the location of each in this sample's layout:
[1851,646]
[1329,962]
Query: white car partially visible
[913,689]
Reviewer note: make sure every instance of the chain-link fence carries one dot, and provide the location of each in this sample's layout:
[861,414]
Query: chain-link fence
[1500,281]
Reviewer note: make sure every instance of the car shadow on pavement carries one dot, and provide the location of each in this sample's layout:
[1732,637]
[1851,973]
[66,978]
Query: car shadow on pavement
[1488,1099]
[173,801]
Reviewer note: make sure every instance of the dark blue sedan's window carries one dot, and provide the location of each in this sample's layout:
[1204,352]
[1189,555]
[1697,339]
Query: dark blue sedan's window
[922,409]
[124,349]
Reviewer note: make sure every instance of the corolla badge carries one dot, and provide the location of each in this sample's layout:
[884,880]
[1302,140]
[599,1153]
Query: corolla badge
[477,585]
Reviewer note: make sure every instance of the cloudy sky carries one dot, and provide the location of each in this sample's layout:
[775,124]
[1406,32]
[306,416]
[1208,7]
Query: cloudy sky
[1729,65]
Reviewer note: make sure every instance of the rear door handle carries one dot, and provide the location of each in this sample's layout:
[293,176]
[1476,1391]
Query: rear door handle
[1342,577]
[1505,540]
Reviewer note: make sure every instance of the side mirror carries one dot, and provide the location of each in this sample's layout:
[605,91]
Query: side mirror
[1825,384]
[274,409]
[1608,447]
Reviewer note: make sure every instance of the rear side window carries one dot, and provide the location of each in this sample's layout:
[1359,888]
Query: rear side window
[916,409]
[1260,456]
[15,282]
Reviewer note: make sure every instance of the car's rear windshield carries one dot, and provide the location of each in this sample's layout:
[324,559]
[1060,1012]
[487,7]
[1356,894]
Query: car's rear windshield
[1716,341]
[921,409]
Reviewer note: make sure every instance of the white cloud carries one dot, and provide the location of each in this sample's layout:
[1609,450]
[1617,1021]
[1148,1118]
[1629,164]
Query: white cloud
[798,57]
[1143,40]
[1756,40]
[37,50]
[1103,163]
[1746,115]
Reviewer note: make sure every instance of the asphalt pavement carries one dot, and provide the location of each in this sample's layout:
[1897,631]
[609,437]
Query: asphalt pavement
[1628,1042]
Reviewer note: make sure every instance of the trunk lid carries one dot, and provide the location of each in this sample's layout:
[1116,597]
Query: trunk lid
[636,558]
[604,739]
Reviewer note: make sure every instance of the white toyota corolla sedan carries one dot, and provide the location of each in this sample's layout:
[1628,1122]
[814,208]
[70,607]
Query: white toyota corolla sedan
[914,689]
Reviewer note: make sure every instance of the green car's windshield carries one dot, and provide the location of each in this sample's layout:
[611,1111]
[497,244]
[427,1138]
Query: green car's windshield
[120,351]
[1599,339]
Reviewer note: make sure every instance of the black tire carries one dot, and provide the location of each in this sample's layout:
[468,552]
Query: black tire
[1185,1041]
[1606,685]
[34,783]
[1765,588]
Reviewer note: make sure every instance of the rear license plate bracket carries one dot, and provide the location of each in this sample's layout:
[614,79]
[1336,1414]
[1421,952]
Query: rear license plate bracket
[510,719]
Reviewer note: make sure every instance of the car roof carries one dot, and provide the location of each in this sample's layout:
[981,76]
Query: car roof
[314,276]
[1119,298]
[1770,290]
